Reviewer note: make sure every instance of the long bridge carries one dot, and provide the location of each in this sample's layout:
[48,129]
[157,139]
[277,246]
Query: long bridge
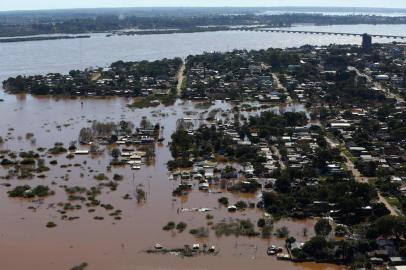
[316,33]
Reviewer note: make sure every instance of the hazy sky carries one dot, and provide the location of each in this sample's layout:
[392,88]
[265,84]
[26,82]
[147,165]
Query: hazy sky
[59,4]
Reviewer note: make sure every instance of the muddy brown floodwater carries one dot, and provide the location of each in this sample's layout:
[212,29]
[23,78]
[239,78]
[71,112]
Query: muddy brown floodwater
[26,243]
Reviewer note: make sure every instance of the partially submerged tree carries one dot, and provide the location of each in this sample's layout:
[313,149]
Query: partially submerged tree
[322,227]
[85,135]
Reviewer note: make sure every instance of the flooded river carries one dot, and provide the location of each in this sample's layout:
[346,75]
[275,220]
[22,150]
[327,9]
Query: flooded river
[40,57]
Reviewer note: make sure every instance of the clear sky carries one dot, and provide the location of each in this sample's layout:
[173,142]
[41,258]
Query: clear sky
[61,4]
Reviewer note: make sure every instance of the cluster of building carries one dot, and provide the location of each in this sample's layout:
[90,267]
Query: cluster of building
[120,79]
[384,79]
[388,70]
[225,79]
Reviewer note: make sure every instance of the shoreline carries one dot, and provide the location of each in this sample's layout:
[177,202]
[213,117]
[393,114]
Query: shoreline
[40,38]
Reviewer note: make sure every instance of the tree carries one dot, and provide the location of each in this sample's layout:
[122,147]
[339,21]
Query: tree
[399,133]
[261,223]
[241,205]
[322,227]
[123,125]
[290,240]
[141,195]
[223,201]
[103,129]
[145,123]
[282,185]
[85,135]
[72,146]
[316,247]
[402,251]
[113,138]
[390,226]
[126,127]
[282,232]
[116,153]
[182,142]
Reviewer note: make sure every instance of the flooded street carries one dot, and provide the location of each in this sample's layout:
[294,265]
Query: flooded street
[109,243]
[26,242]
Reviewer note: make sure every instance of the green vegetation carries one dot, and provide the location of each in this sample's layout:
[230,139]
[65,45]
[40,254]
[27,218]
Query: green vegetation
[100,177]
[282,232]
[141,195]
[168,21]
[181,190]
[57,149]
[81,266]
[241,205]
[223,201]
[145,102]
[170,226]
[51,224]
[181,226]
[24,39]
[134,77]
[322,227]
[200,232]
[349,197]
[209,140]
[118,177]
[236,228]
[27,192]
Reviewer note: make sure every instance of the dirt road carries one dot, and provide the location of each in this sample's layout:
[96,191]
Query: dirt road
[181,78]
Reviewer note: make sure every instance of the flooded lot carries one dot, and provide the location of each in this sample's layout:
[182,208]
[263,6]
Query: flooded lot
[26,242]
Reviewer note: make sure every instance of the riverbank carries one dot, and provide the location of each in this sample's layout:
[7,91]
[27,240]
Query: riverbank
[312,171]
[40,38]
[68,54]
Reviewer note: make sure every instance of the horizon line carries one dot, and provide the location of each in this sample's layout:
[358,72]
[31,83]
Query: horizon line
[198,7]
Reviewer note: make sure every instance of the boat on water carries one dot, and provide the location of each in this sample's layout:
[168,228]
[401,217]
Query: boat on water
[136,167]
